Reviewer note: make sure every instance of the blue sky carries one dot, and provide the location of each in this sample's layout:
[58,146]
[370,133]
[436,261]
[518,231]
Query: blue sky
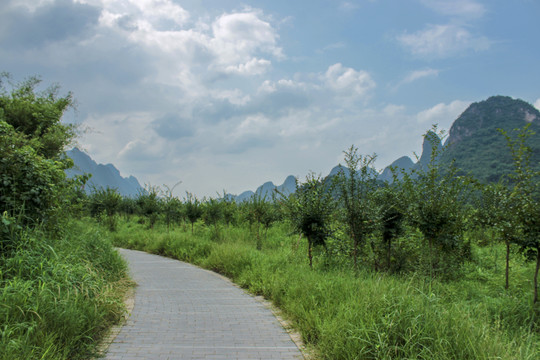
[226,94]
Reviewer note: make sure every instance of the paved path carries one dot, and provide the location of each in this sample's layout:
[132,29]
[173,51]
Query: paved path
[184,312]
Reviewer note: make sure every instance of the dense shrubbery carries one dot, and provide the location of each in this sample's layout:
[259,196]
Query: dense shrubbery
[60,284]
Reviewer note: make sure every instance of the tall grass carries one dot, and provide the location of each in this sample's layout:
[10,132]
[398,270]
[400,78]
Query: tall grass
[57,297]
[365,315]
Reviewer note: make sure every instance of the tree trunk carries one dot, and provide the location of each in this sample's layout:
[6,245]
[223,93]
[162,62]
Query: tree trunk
[536,275]
[507,284]
[259,243]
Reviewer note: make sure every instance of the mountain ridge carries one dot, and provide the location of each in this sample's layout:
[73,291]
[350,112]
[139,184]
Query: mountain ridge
[473,142]
[103,175]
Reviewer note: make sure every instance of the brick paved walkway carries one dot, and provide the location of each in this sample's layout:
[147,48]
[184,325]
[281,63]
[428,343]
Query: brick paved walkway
[184,312]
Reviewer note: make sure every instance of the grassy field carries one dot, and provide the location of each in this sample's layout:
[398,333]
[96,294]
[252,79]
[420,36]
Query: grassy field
[365,315]
[58,297]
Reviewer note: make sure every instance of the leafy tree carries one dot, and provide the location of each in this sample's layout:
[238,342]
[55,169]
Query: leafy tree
[172,206]
[128,206]
[104,204]
[229,209]
[356,186]
[436,208]
[193,209]
[310,209]
[497,209]
[149,204]
[260,212]
[37,115]
[33,185]
[213,214]
[391,218]
[526,190]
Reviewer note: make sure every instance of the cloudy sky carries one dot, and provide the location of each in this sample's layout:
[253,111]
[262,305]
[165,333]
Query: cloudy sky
[228,94]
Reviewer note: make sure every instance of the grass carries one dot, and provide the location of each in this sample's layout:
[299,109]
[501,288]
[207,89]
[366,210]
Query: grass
[366,315]
[58,297]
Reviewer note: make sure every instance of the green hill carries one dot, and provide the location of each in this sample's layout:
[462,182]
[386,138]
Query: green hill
[479,149]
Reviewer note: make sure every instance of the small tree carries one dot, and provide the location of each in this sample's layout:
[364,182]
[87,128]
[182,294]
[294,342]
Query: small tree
[193,209]
[436,208]
[104,205]
[259,212]
[391,218]
[213,214]
[526,192]
[497,209]
[229,209]
[149,204]
[172,206]
[310,211]
[356,185]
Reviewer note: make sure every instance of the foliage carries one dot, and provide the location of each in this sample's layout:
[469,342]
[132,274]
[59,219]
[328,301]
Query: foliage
[149,204]
[104,205]
[260,212]
[310,210]
[391,222]
[526,187]
[356,189]
[212,215]
[172,206]
[436,208]
[59,295]
[29,182]
[32,180]
[497,208]
[193,209]
[37,115]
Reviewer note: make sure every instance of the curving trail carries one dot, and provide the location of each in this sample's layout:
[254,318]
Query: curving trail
[184,312]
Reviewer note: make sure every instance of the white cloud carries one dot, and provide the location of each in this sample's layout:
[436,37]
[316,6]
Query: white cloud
[461,8]
[235,97]
[254,124]
[419,74]
[537,104]
[252,67]
[234,43]
[237,37]
[443,114]
[441,41]
[348,81]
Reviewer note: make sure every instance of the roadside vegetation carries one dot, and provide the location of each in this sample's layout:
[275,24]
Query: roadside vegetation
[61,282]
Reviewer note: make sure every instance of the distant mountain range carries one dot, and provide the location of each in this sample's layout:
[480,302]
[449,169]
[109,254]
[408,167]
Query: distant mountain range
[268,188]
[474,144]
[103,176]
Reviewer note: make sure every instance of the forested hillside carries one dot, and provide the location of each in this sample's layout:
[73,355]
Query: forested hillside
[479,148]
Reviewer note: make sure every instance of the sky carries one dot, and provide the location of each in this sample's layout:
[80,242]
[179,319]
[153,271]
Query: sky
[224,95]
